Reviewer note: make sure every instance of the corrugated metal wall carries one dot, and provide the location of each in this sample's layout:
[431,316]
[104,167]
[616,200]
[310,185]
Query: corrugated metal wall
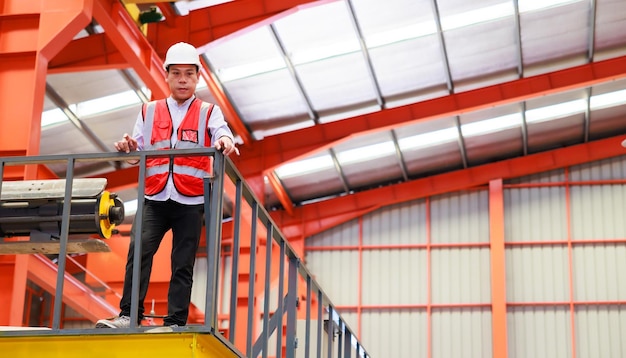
[414,279]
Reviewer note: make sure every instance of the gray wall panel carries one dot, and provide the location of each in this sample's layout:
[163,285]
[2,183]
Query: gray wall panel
[337,272]
[460,217]
[600,273]
[461,332]
[601,332]
[537,274]
[395,277]
[537,259]
[398,224]
[598,212]
[607,169]
[461,275]
[398,334]
[539,332]
[535,214]
[343,235]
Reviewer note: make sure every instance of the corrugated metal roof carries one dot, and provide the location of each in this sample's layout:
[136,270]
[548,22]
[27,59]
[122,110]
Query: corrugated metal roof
[332,60]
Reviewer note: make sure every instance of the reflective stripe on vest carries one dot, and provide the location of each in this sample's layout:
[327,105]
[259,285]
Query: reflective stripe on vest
[187,172]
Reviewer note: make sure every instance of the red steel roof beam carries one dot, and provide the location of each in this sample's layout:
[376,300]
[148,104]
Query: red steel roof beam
[130,41]
[92,53]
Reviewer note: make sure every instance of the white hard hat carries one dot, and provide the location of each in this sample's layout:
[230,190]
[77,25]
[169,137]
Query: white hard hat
[181,54]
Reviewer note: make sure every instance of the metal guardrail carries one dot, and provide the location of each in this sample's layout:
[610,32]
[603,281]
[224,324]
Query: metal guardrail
[312,328]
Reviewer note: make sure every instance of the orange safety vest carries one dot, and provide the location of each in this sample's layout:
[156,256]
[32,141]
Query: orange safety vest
[187,172]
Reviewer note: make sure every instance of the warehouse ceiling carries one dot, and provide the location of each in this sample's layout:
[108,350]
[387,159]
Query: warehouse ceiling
[337,99]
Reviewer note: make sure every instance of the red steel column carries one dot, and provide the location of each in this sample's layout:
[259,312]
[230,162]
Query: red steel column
[32,32]
[498,269]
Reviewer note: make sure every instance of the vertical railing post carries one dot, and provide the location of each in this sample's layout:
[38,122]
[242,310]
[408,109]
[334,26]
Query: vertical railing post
[320,320]
[214,187]
[347,342]
[252,280]
[65,230]
[340,325]
[307,333]
[234,281]
[136,230]
[292,306]
[330,332]
[266,289]
[281,293]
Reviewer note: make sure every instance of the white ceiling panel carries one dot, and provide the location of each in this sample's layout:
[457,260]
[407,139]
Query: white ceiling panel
[324,181]
[430,146]
[492,147]
[409,66]
[337,82]
[318,32]
[610,24]
[270,101]
[555,33]
[356,156]
[88,85]
[493,49]
[556,133]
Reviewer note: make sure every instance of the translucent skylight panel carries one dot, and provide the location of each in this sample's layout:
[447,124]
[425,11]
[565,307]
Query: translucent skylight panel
[488,147]
[318,32]
[270,103]
[355,157]
[430,146]
[107,103]
[386,22]
[544,104]
[502,113]
[403,48]
[315,176]
[365,148]
[492,134]
[247,54]
[313,163]
[323,45]
[53,116]
[555,33]
[337,82]
[609,87]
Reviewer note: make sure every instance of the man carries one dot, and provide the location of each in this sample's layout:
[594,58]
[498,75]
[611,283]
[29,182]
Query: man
[174,191]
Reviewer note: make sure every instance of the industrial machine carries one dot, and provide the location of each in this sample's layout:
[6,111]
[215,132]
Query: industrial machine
[31,215]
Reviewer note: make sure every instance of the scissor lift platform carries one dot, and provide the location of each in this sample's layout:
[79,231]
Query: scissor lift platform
[115,345]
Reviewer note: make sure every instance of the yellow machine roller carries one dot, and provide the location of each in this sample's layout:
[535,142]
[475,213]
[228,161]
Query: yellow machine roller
[35,208]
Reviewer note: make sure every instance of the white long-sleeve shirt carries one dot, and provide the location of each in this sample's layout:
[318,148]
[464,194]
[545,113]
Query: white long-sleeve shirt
[217,128]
